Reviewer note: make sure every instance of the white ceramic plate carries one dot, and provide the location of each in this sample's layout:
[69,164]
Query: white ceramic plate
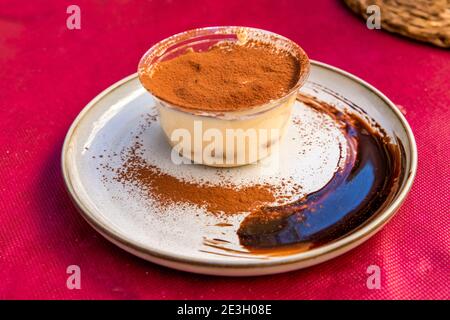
[183,237]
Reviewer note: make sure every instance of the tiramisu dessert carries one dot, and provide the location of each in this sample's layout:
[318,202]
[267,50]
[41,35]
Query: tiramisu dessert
[339,168]
[233,95]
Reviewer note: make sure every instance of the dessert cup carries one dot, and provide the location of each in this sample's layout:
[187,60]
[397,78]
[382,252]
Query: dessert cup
[223,138]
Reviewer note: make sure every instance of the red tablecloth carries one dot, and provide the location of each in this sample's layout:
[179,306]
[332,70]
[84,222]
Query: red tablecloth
[49,73]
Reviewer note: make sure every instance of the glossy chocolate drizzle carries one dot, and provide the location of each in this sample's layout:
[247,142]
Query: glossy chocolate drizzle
[358,190]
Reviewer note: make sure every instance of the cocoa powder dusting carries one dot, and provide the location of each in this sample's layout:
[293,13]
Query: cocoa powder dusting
[227,77]
[168,190]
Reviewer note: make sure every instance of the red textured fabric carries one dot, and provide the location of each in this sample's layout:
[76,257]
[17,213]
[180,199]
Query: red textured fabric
[49,73]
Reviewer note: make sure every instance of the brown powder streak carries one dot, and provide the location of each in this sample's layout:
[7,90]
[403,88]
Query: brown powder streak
[167,189]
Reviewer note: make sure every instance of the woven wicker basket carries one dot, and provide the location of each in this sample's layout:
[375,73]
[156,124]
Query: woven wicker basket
[424,20]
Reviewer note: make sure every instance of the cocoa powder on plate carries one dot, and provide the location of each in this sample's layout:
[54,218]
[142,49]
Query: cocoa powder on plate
[167,189]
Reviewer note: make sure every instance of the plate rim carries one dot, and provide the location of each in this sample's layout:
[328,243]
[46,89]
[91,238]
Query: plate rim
[322,253]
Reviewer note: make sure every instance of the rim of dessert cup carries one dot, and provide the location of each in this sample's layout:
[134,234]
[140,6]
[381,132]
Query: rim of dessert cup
[326,251]
[161,47]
